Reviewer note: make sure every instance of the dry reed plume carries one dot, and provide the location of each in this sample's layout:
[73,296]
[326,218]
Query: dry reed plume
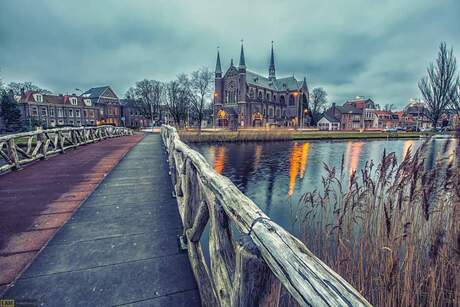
[392,230]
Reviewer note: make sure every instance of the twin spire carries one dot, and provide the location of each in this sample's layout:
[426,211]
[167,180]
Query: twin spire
[242,63]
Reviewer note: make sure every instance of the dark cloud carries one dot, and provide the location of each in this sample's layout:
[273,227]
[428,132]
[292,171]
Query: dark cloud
[356,47]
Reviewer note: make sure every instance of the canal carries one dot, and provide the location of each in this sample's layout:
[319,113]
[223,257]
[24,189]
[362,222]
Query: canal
[275,174]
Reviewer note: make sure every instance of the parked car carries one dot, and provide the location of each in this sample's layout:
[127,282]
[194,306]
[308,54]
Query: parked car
[390,130]
[412,128]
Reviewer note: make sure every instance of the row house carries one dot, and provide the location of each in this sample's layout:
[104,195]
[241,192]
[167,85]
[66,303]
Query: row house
[132,115]
[56,110]
[355,114]
[108,104]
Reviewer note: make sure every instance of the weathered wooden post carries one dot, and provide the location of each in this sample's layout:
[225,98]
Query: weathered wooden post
[254,283]
[13,153]
[44,144]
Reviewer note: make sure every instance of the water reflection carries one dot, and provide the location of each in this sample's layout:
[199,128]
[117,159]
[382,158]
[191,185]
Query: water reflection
[219,158]
[352,155]
[274,175]
[297,164]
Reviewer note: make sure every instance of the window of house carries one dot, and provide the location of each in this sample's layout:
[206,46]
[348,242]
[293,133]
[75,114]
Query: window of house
[259,96]
[70,112]
[268,96]
[78,123]
[282,100]
[61,122]
[91,113]
[34,111]
[85,113]
[73,101]
[52,123]
[77,113]
[101,112]
[44,112]
[270,112]
[51,112]
[109,111]
[38,97]
[291,100]
[274,98]
[71,122]
[87,102]
[277,112]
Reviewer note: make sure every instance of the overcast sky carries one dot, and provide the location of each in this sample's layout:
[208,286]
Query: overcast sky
[356,47]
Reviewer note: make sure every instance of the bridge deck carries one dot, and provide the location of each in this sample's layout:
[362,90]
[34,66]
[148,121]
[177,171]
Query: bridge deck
[120,247]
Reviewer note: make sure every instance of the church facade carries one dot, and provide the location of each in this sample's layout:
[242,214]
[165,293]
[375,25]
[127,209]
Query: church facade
[243,98]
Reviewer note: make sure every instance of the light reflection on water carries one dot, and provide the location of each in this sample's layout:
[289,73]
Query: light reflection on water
[275,174]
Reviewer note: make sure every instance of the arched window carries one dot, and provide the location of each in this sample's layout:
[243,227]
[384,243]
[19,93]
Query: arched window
[251,92]
[274,98]
[282,101]
[268,96]
[260,95]
[291,100]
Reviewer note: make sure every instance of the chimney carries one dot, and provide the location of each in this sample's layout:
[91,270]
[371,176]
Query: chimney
[333,108]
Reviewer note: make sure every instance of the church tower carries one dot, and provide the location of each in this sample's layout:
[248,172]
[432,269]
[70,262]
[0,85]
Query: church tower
[271,68]
[218,91]
[242,76]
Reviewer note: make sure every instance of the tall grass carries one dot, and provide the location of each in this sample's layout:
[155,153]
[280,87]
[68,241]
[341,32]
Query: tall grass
[392,229]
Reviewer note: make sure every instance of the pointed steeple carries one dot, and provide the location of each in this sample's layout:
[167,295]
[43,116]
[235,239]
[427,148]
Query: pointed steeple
[242,65]
[231,62]
[271,68]
[218,71]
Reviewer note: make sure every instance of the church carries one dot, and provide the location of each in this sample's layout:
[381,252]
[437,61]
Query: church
[243,98]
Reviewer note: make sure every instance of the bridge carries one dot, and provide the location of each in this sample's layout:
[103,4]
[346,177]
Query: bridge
[124,220]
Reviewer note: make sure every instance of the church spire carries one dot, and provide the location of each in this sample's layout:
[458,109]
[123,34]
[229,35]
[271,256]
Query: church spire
[242,65]
[218,71]
[271,68]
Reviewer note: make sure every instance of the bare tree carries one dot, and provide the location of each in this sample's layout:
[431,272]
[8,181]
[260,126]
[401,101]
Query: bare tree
[147,96]
[178,99]
[388,107]
[201,83]
[318,104]
[18,87]
[439,87]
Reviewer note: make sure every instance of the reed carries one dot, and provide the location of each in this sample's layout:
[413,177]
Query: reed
[392,229]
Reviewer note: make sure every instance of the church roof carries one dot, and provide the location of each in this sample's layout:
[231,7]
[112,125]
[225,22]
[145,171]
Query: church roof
[281,84]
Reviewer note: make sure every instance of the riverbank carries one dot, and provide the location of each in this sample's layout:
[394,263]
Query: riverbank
[287,135]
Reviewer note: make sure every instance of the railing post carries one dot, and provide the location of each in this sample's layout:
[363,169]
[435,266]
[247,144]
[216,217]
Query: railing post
[254,283]
[13,153]
[44,144]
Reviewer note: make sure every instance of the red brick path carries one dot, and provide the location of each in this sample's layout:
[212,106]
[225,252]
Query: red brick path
[37,200]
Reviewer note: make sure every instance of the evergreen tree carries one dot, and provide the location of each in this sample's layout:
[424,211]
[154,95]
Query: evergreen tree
[10,112]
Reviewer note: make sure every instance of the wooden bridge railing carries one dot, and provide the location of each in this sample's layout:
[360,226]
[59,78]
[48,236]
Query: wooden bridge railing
[242,272]
[18,149]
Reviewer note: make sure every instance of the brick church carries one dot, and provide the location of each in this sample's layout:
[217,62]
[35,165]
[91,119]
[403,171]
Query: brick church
[243,98]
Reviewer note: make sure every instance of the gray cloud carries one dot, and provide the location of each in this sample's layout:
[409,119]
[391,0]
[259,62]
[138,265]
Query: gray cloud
[356,47]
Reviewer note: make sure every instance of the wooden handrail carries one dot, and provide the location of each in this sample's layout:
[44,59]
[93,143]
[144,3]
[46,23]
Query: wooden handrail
[21,148]
[242,272]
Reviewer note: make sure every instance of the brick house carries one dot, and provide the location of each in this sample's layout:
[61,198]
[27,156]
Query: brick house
[131,114]
[108,103]
[385,119]
[51,111]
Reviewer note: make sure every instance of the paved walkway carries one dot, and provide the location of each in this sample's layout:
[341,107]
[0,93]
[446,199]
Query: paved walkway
[120,247]
[37,200]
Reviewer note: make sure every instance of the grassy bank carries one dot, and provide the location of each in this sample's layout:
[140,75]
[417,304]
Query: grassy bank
[285,135]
